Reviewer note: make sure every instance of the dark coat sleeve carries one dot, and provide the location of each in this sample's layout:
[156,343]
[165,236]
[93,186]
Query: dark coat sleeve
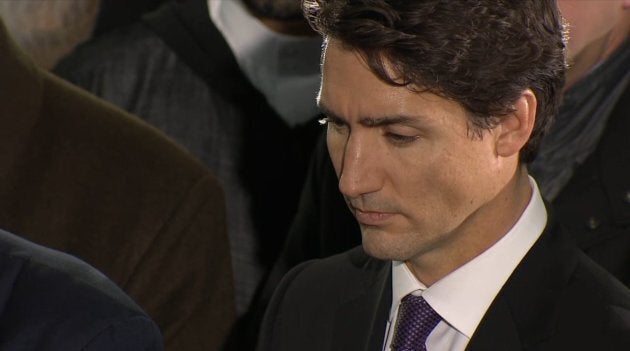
[267,333]
[133,334]
[51,301]
[595,204]
[184,279]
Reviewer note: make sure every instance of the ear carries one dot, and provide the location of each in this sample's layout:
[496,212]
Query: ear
[514,130]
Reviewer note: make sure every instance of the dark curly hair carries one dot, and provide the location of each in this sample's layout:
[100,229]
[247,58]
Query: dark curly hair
[481,53]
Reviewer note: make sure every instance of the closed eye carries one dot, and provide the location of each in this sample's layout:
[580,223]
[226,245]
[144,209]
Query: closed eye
[399,139]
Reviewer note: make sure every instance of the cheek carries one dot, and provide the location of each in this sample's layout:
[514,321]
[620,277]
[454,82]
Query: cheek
[448,180]
[471,182]
[424,183]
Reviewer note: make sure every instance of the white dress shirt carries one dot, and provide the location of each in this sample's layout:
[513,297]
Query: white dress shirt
[462,297]
[284,68]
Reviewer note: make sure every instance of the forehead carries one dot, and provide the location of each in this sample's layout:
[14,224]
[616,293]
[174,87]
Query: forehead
[346,79]
[349,88]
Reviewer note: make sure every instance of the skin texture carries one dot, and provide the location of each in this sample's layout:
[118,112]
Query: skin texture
[596,29]
[423,187]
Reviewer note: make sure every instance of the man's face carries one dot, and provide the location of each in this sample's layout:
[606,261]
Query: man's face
[412,172]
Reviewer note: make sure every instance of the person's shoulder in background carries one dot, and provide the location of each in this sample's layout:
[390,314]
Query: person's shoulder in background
[84,177]
[52,301]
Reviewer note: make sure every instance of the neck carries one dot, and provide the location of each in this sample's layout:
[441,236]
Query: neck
[481,230]
[596,52]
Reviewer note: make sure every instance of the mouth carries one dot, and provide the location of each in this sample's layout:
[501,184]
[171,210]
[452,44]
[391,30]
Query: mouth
[372,218]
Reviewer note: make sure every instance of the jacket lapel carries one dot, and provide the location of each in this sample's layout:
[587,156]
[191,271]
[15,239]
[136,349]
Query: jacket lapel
[360,322]
[523,315]
[524,312]
[497,330]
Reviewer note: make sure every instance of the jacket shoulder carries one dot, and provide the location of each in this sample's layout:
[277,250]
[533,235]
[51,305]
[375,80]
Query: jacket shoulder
[594,310]
[606,291]
[52,301]
[351,269]
[304,306]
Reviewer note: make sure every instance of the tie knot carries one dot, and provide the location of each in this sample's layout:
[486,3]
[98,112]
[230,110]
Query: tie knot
[416,319]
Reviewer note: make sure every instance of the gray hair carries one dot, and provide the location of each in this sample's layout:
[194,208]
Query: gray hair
[47,30]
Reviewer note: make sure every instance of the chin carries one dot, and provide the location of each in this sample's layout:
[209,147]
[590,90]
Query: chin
[384,245]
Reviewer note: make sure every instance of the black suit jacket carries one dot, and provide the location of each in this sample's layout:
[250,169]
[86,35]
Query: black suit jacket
[53,301]
[594,206]
[556,299]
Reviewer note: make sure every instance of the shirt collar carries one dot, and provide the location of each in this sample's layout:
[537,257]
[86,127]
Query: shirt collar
[290,75]
[463,296]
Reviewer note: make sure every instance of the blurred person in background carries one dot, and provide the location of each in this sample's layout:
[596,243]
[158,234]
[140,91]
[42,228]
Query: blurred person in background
[584,165]
[49,30]
[81,176]
[55,302]
[234,83]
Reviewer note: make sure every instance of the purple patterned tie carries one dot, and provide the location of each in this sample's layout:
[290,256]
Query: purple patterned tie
[416,320]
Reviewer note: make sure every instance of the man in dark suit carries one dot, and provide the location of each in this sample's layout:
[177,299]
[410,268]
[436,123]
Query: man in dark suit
[86,178]
[434,108]
[579,167]
[52,301]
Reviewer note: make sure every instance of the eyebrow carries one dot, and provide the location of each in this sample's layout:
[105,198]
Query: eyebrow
[374,121]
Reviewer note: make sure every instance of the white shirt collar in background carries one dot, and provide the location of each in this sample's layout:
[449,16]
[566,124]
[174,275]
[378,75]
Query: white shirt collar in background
[284,68]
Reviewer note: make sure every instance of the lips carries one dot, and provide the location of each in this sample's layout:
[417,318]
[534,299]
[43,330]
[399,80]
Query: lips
[372,218]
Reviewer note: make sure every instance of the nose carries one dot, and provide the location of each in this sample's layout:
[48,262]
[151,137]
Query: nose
[359,172]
